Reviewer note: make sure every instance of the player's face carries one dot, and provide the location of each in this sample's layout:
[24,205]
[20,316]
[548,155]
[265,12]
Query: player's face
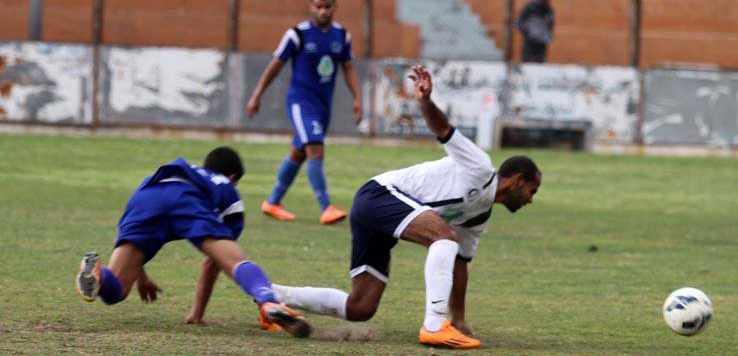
[522,193]
[322,11]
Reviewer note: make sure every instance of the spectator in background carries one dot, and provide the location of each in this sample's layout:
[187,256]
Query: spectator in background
[536,23]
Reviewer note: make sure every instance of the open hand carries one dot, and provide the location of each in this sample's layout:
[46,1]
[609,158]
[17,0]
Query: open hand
[252,107]
[357,111]
[423,84]
[148,290]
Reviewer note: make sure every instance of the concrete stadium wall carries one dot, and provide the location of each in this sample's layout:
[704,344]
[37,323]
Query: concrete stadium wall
[206,88]
[592,32]
[203,24]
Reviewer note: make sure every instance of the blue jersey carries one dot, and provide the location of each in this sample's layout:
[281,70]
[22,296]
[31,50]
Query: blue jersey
[216,189]
[315,57]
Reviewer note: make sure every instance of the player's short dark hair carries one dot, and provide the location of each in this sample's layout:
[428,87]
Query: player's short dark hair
[224,160]
[520,164]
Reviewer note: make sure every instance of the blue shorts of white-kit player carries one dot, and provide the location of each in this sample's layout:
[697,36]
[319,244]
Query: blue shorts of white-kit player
[379,216]
[164,212]
[309,122]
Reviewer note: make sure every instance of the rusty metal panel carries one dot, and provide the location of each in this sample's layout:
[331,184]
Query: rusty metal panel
[606,97]
[164,86]
[45,82]
[691,107]
[468,92]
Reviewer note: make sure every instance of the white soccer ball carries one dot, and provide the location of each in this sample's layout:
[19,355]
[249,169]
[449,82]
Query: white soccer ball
[687,311]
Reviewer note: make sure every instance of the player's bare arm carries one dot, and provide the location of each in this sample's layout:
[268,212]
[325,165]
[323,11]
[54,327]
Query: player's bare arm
[352,81]
[209,272]
[434,117]
[270,72]
[457,300]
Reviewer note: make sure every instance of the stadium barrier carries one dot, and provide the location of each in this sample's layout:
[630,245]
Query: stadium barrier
[208,89]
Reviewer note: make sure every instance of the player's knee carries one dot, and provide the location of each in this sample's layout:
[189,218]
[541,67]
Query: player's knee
[445,233]
[360,312]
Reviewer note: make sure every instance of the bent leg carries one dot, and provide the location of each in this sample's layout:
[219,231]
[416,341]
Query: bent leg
[122,271]
[428,229]
[248,275]
[360,305]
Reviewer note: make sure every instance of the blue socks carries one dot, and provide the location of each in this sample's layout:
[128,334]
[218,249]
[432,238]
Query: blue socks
[252,279]
[317,181]
[111,291]
[286,174]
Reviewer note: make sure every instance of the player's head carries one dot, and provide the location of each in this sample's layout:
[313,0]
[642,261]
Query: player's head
[225,160]
[519,179]
[322,11]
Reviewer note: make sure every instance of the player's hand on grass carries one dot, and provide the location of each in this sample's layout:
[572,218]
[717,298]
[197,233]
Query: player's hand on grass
[148,290]
[252,107]
[422,81]
[462,326]
[358,111]
[195,320]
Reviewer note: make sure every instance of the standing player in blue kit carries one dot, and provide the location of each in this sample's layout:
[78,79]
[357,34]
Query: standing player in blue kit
[316,47]
[202,205]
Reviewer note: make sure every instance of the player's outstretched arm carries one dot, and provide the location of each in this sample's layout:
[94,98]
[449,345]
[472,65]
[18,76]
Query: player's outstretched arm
[270,72]
[208,276]
[434,117]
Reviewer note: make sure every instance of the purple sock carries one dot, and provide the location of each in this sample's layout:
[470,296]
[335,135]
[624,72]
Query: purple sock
[111,291]
[252,279]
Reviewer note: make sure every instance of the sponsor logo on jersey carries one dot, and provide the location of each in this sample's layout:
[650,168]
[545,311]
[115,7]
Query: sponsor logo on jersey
[450,214]
[326,68]
[311,47]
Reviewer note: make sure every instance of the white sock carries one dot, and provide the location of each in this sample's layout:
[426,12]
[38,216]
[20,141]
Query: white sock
[439,278]
[326,301]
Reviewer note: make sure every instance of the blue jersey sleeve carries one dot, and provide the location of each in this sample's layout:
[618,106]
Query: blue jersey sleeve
[346,53]
[288,45]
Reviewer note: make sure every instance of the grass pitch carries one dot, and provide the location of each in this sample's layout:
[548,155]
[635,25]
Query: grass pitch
[535,288]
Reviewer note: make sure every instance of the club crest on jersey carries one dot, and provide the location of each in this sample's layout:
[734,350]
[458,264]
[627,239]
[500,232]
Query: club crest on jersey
[472,194]
[311,47]
[336,47]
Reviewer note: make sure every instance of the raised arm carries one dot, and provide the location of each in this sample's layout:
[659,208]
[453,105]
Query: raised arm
[434,117]
[352,81]
[270,72]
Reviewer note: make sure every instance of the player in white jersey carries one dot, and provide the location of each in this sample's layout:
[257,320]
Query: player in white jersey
[443,205]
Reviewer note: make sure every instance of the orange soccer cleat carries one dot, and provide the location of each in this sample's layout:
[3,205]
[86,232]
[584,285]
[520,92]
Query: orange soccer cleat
[448,337]
[88,278]
[332,215]
[267,324]
[276,211]
[284,318]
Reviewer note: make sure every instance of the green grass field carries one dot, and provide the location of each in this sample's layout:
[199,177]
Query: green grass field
[535,287]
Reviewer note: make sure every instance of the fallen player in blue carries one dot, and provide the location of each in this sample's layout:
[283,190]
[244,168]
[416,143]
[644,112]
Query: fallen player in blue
[202,205]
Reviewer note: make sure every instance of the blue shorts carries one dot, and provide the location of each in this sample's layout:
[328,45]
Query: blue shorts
[309,121]
[166,212]
[379,215]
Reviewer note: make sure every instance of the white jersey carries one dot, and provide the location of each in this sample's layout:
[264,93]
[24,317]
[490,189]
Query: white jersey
[461,187]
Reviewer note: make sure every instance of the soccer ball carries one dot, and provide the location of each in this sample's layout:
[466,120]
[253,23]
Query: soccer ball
[687,311]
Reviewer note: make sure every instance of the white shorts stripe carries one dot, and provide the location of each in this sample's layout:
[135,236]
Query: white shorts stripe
[410,217]
[297,120]
[373,271]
